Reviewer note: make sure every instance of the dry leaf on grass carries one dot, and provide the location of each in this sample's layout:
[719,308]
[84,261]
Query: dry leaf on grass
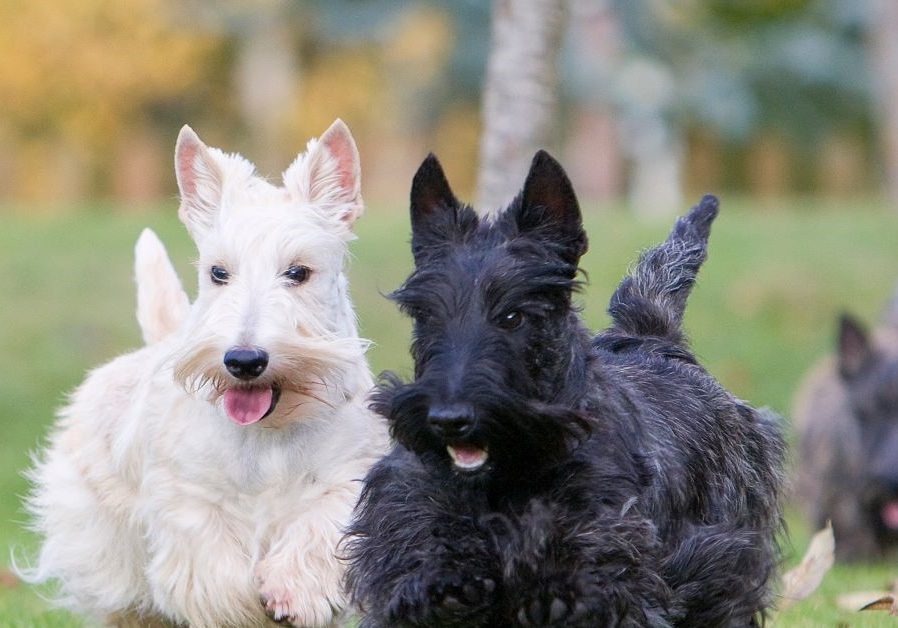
[871,601]
[856,600]
[885,603]
[8,579]
[800,582]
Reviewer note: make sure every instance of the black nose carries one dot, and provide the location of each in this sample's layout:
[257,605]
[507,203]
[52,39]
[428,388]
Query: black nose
[452,420]
[245,362]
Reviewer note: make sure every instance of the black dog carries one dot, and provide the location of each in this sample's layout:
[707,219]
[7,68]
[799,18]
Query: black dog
[546,477]
[846,416]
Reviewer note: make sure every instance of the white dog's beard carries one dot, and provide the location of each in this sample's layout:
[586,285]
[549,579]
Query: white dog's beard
[304,374]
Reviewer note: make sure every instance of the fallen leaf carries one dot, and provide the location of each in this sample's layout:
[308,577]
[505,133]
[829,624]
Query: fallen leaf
[8,579]
[857,600]
[885,603]
[800,582]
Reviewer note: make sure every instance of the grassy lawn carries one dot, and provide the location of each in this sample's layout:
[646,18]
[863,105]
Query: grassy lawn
[763,311]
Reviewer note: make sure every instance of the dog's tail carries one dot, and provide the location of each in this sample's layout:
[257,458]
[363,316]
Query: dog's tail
[652,299]
[162,303]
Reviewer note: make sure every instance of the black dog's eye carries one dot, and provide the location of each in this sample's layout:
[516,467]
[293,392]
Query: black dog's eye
[511,321]
[419,314]
[297,274]
[219,275]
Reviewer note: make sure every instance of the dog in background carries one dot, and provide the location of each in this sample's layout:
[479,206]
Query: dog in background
[207,478]
[546,476]
[846,416]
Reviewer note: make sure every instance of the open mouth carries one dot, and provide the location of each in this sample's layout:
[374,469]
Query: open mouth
[889,514]
[466,457]
[247,405]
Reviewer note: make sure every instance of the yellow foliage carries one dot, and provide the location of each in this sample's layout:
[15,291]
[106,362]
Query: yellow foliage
[421,43]
[345,83]
[82,69]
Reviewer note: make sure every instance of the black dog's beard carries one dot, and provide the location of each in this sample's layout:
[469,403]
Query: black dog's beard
[519,433]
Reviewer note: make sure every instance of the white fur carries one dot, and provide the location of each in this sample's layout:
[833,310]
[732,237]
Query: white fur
[153,505]
[162,304]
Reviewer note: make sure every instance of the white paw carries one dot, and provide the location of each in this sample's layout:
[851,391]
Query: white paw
[290,600]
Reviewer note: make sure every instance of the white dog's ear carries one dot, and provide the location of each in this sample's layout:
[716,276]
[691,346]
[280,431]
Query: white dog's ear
[329,174]
[162,304]
[199,180]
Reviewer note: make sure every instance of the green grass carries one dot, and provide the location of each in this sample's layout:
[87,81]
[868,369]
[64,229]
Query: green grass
[763,311]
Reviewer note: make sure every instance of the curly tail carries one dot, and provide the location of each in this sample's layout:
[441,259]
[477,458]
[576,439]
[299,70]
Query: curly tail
[652,299]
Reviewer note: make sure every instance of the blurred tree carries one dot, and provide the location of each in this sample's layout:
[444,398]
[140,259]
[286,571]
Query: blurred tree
[520,94]
[75,74]
[590,60]
[883,43]
[266,37]
[751,71]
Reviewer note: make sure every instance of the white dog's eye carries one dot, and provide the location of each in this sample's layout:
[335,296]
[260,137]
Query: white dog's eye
[297,274]
[219,275]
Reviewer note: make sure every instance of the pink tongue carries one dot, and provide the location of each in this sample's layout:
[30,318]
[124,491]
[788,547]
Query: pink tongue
[468,454]
[247,405]
[890,515]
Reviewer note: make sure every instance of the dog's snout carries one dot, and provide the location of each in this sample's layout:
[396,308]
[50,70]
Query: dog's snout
[451,421]
[246,362]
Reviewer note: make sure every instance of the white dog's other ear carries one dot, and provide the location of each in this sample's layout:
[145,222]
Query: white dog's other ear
[162,304]
[329,174]
[199,181]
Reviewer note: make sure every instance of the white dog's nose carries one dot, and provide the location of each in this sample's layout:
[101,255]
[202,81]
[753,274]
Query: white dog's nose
[246,362]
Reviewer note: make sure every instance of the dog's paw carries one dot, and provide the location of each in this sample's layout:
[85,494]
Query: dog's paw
[446,600]
[551,611]
[293,603]
[557,603]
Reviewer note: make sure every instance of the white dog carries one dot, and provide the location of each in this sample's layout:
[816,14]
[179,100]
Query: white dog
[205,479]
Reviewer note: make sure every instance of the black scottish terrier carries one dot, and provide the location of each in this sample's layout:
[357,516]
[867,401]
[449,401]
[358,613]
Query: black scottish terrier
[543,476]
[847,420]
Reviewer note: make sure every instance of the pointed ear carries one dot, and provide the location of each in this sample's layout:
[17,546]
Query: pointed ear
[199,181]
[854,346]
[431,199]
[549,205]
[329,175]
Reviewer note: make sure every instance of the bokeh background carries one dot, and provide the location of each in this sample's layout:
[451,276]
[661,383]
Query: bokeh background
[784,108]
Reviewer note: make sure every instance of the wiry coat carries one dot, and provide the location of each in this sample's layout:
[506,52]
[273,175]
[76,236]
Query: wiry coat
[155,507]
[622,485]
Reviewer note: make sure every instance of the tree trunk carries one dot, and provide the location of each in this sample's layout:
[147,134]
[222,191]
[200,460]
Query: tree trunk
[520,95]
[593,156]
[883,50]
[266,81]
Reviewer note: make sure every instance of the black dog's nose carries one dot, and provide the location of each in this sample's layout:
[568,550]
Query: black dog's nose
[245,362]
[452,420]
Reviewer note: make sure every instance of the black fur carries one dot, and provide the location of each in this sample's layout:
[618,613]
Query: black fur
[624,486]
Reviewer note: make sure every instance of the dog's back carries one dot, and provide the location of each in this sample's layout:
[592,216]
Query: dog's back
[717,461]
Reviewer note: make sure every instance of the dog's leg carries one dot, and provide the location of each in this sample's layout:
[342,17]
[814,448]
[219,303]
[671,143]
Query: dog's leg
[300,577]
[420,560]
[200,563]
[581,574]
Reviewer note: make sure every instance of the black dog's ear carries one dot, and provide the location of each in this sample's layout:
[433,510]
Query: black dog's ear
[431,198]
[854,346]
[549,205]
[431,194]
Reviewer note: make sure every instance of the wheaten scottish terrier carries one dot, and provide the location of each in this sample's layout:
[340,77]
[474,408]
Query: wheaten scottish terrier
[205,479]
